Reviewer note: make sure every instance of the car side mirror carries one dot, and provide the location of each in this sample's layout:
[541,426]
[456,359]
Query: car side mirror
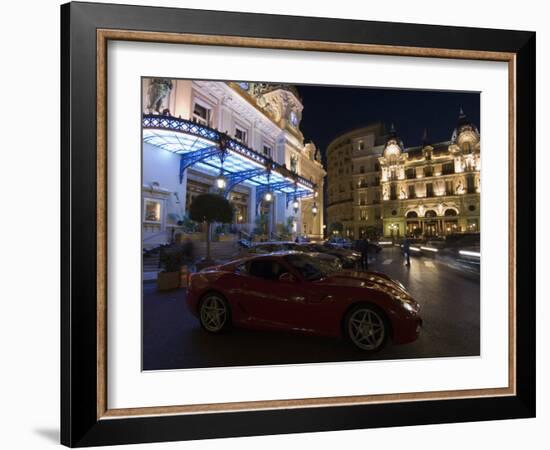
[287,277]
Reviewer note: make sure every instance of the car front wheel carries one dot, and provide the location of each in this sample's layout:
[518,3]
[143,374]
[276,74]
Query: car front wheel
[214,313]
[367,328]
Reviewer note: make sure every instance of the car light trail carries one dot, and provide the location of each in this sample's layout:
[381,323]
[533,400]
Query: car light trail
[384,243]
[429,249]
[415,249]
[469,253]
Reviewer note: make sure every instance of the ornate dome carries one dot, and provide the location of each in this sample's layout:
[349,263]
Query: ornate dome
[394,144]
[465,131]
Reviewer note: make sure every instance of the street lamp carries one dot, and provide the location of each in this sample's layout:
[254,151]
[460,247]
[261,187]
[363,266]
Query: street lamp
[268,196]
[221,182]
[314,209]
[295,205]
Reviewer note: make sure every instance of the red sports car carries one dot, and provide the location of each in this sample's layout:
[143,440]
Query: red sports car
[291,291]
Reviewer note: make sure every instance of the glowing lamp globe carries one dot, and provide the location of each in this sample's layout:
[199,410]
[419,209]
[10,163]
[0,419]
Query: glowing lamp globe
[220,182]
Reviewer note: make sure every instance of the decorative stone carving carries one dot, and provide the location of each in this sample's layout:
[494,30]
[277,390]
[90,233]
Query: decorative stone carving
[293,163]
[158,92]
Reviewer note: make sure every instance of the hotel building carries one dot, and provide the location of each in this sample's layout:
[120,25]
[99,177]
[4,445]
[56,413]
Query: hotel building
[378,186]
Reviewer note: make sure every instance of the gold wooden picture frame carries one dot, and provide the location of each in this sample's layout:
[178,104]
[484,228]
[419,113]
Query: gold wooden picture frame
[85,43]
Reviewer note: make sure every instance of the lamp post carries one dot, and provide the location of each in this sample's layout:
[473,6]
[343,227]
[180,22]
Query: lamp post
[268,196]
[220,181]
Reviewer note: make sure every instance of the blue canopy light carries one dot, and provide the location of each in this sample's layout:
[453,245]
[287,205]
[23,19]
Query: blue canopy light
[219,155]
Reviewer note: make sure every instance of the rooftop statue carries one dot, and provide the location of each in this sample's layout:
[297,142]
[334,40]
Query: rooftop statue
[158,91]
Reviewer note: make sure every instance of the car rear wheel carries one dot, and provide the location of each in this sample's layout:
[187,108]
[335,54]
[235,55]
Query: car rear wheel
[214,313]
[367,328]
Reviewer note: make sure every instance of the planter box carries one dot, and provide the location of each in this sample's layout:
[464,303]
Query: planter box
[227,237]
[168,280]
[184,271]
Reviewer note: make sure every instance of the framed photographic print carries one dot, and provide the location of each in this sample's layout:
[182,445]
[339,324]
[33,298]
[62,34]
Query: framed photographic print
[277,224]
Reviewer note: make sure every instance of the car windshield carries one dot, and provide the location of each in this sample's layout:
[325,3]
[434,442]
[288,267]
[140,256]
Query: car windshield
[308,267]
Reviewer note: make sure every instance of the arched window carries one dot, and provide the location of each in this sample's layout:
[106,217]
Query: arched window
[412,215]
[450,212]
[430,213]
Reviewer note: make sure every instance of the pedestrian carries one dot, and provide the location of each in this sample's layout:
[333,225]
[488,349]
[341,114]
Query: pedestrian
[364,254]
[407,251]
[187,251]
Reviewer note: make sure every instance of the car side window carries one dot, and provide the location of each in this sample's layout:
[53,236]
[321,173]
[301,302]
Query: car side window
[266,269]
[262,249]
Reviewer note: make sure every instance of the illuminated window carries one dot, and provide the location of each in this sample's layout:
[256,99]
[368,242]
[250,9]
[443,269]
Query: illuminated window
[393,192]
[448,168]
[293,118]
[449,187]
[240,135]
[470,184]
[429,190]
[152,211]
[267,150]
[201,114]
[473,225]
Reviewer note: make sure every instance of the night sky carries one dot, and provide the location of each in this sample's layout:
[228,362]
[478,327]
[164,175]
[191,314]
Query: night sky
[331,111]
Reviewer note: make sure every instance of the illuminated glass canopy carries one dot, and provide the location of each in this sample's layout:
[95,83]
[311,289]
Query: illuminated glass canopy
[205,148]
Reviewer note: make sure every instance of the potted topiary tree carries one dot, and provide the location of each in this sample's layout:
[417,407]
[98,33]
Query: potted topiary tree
[210,208]
[169,278]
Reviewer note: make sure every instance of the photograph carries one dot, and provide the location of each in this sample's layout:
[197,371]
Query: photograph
[301,223]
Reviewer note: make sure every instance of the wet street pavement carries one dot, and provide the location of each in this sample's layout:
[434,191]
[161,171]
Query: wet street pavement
[173,338]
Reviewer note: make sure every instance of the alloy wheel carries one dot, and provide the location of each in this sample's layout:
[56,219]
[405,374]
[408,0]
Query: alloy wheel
[366,329]
[213,313]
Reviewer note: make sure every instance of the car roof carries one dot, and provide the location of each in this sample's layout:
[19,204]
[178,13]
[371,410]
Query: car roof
[279,253]
[257,244]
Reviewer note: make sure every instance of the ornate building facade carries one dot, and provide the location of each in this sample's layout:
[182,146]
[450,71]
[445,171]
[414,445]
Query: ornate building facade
[196,133]
[428,190]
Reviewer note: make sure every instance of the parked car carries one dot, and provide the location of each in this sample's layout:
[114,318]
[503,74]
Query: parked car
[290,291]
[340,242]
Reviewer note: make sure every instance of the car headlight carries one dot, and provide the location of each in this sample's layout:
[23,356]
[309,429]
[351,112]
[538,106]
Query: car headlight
[408,307]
